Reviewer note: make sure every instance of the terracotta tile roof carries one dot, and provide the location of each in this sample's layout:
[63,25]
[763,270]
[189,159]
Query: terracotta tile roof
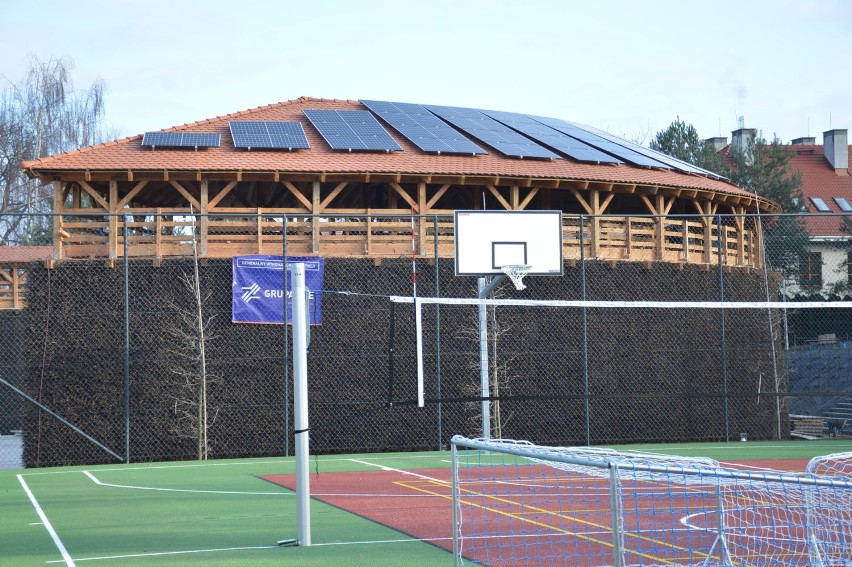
[24,254]
[819,179]
[128,154]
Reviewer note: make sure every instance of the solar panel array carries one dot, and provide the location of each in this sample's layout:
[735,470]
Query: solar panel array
[491,132]
[422,128]
[675,163]
[180,139]
[352,130]
[601,143]
[269,135]
[552,138]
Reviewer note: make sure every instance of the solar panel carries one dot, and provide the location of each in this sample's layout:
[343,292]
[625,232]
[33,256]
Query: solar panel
[180,139]
[674,163]
[269,135]
[552,138]
[352,130]
[601,143]
[422,128]
[489,131]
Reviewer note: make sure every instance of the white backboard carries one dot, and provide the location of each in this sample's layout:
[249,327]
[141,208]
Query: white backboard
[488,240]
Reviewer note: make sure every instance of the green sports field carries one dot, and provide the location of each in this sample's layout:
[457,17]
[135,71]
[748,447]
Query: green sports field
[223,513]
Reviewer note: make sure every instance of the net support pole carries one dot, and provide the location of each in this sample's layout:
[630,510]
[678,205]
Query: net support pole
[300,379]
[483,360]
[456,509]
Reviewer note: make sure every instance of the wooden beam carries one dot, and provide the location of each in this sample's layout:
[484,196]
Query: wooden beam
[315,221]
[530,196]
[582,201]
[605,204]
[203,219]
[438,194]
[401,192]
[493,190]
[132,193]
[94,195]
[186,194]
[211,204]
[112,237]
[58,203]
[335,192]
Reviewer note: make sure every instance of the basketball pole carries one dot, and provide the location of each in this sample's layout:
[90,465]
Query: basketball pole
[300,403]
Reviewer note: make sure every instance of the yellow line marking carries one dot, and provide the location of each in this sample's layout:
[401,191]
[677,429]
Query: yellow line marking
[551,527]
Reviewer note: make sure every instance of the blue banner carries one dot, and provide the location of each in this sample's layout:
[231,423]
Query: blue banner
[258,289]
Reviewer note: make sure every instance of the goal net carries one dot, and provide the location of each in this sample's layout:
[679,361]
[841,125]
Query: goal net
[516,503]
[830,511]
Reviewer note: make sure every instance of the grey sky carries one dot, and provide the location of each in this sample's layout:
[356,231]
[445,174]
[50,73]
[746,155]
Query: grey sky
[627,67]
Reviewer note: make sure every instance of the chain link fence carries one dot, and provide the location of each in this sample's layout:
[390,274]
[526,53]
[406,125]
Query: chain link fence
[104,363]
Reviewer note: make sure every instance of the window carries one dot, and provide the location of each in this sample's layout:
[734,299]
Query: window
[812,270]
[820,205]
[843,204]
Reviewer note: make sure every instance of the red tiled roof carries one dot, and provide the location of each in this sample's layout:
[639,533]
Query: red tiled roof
[24,254]
[128,154]
[819,179]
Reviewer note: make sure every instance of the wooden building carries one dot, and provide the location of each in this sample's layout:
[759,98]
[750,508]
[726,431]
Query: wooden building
[351,203]
[14,268]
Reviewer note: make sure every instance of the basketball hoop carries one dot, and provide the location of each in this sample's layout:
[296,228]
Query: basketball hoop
[517,273]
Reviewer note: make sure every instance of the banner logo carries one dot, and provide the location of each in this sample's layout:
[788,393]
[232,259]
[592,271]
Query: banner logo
[251,292]
[261,291]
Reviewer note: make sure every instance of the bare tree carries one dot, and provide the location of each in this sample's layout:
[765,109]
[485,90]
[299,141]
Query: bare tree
[190,331]
[189,334]
[40,116]
[500,364]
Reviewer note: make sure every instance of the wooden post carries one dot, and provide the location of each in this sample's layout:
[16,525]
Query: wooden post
[58,206]
[112,237]
[203,221]
[315,221]
[158,234]
[259,228]
[421,222]
[16,288]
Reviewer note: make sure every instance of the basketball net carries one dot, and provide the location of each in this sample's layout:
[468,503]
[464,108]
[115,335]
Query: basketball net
[517,273]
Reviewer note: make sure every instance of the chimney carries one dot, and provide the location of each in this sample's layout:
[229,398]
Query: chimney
[743,141]
[835,148]
[804,141]
[718,143]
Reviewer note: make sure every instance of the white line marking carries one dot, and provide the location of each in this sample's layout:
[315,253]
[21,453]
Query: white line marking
[98,482]
[329,544]
[158,554]
[53,535]
[409,473]
[330,494]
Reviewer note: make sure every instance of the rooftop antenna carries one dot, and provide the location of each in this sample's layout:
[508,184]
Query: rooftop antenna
[740,122]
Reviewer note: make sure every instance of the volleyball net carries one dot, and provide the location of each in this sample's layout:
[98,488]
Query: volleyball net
[629,371]
[518,503]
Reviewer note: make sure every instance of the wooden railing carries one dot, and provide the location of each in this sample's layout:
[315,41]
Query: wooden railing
[13,284]
[160,233]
